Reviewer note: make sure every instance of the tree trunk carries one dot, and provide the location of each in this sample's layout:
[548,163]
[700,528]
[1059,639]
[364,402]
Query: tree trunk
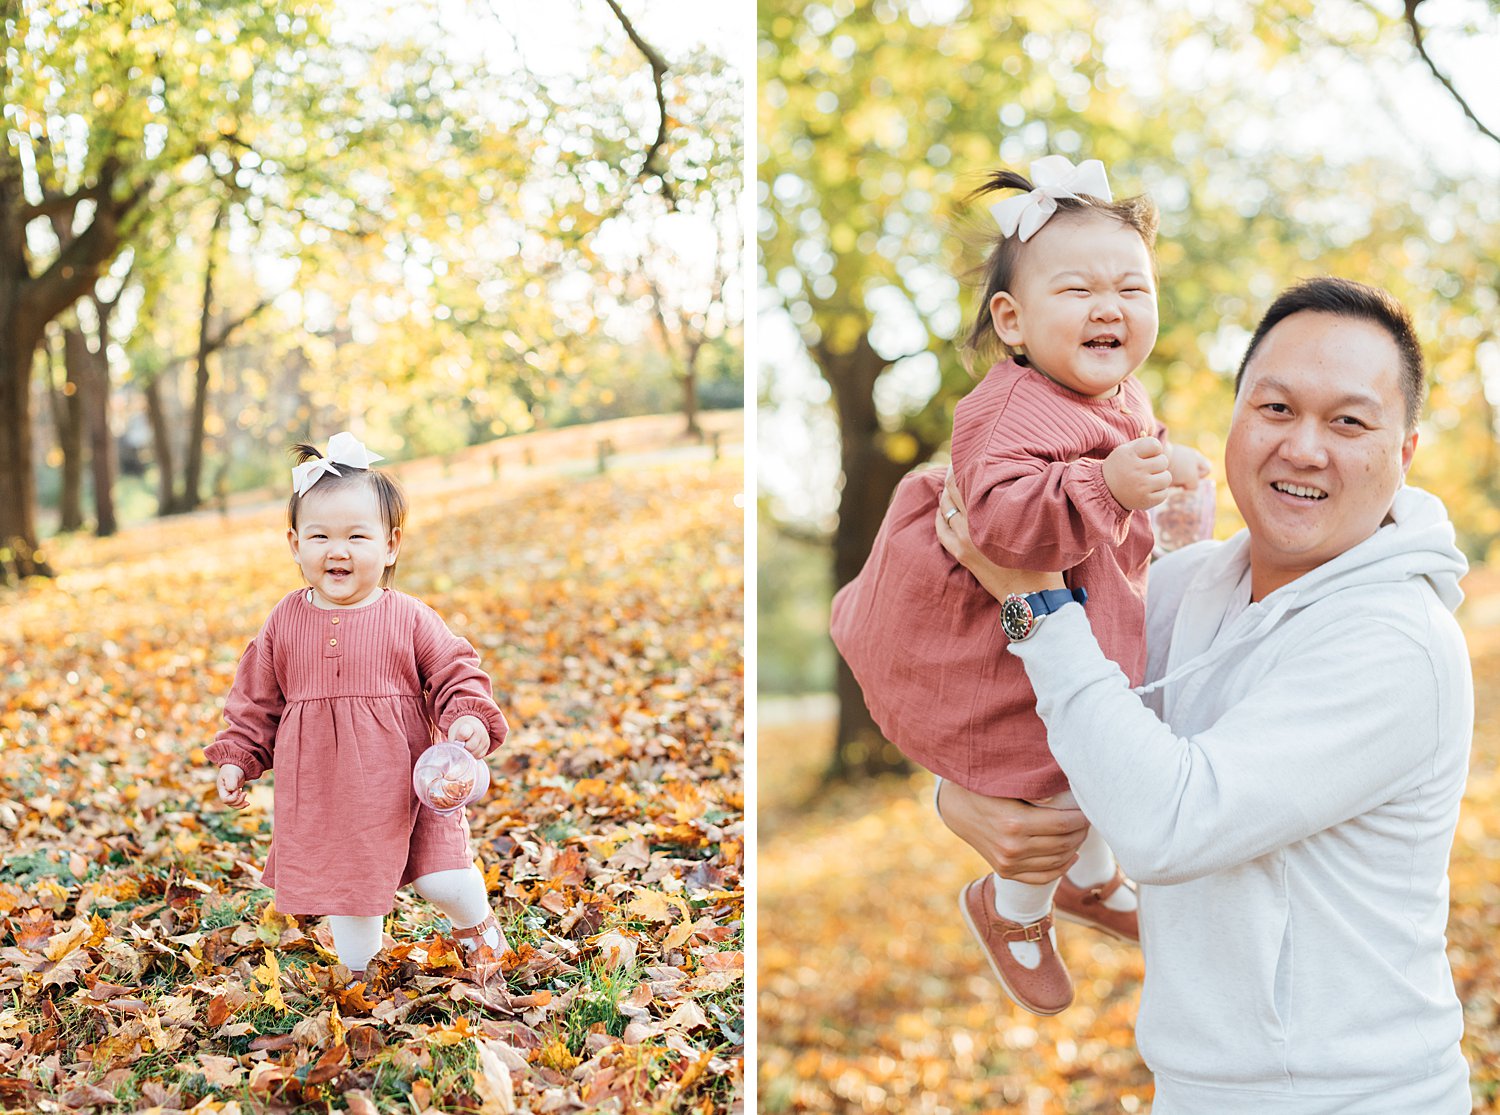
[19,548]
[27,304]
[67,417]
[192,474]
[690,391]
[161,447]
[96,406]
[20,332]
[870,476]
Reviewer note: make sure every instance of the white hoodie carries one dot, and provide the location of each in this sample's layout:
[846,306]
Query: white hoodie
[1286,794]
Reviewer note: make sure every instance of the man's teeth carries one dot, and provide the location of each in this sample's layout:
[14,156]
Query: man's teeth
[1299,490]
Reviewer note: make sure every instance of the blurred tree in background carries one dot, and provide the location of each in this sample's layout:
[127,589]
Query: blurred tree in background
[1279,141]
[229,226]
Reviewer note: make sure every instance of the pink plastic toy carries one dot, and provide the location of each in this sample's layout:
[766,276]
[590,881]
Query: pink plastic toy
[446,778]
[1184,517]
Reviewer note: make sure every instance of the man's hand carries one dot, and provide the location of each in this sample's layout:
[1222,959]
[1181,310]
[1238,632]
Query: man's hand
[1187,466]
[1138,474]
[231,783]
[953,532]
[470,733]
[1021,841]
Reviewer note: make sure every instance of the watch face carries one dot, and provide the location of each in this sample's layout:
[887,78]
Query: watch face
[1015,617]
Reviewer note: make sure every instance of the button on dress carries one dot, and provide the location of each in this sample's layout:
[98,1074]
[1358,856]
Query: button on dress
[340,704]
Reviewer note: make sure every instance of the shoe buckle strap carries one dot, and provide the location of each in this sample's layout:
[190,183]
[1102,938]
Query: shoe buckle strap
[474,932]
[1033,932]
[1098,894]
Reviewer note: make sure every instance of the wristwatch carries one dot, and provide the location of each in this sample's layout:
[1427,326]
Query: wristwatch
[1021,615]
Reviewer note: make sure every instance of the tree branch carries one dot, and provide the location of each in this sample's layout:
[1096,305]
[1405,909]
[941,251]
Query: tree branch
[1416,38]
[73,273]
[60,204]
[227,328]
[658,73]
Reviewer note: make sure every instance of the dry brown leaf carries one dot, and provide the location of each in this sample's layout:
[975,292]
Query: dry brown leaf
[617,949]
[493,1082]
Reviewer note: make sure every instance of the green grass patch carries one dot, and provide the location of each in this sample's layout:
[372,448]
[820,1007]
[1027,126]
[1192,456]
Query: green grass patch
[598,1004]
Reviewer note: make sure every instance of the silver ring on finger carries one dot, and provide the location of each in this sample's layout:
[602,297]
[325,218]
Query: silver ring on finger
[948,514]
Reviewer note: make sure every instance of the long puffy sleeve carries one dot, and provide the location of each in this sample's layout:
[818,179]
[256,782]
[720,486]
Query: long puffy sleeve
[454,682]
[252,713]
[1029,513]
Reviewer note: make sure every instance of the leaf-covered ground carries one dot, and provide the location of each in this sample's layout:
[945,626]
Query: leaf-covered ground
[143,967]
[873,997]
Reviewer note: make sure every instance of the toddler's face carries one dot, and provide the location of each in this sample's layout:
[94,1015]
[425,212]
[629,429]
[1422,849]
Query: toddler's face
[1083,305]
[341,544]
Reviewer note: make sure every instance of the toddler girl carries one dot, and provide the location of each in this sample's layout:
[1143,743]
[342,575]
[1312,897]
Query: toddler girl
[1057,457]
[345,686]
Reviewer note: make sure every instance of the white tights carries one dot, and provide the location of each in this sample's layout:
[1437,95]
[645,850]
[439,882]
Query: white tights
[459,894]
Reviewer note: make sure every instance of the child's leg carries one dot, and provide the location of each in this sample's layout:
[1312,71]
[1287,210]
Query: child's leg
[461,896]
[1023,903]
[356,940]
[1096,862]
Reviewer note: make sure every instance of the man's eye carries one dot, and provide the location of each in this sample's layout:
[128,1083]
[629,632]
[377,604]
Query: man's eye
[1277,408]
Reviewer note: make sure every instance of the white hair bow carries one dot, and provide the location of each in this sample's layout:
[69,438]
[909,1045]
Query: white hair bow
[343,449]
[1054,177]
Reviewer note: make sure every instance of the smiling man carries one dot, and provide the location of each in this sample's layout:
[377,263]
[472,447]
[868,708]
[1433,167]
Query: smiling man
[1286,786]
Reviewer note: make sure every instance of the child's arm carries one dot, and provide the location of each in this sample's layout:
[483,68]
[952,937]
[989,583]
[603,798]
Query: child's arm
[1027,512]
[252,713]
[458,690]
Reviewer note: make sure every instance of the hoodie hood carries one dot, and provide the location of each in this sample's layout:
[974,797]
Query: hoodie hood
[1416,541]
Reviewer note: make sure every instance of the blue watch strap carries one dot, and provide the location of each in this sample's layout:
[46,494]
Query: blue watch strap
[1049,600]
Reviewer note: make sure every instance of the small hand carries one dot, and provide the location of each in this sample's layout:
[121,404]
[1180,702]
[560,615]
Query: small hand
[1138,473]
[470,733]
[231,783]
[1188,466]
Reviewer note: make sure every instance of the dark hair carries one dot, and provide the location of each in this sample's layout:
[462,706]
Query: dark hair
[388,494]
[1346,298]
[999,268]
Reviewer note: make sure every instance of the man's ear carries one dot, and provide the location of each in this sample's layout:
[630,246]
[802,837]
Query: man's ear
[1408,451]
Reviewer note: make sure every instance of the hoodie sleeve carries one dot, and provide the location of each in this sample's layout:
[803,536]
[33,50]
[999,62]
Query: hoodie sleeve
[1317,741]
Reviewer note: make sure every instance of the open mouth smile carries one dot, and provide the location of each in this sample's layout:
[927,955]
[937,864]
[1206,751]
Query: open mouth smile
[1103,343]
[1301,491]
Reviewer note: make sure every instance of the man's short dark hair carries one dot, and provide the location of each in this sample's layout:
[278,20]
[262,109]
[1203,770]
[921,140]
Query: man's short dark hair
[1346,298]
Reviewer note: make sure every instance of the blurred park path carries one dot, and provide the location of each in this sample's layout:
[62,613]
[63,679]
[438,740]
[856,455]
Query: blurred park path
[873,997]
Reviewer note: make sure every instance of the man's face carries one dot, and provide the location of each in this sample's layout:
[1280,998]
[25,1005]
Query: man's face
[1317,447]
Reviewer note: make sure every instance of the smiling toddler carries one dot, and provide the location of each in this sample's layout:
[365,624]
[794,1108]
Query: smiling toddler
[346,685]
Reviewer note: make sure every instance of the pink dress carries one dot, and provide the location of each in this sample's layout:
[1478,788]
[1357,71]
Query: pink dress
[921,636]
[340,703]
